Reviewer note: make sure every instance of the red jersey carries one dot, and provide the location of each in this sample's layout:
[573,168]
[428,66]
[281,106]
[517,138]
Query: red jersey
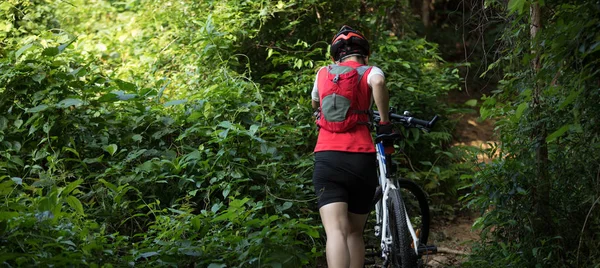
[357,139]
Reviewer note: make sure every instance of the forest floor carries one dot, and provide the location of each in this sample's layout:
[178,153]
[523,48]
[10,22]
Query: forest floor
[456,234]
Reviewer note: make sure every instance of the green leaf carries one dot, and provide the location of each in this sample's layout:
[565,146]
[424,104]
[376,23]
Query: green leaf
[216,265]
[216,207]
[557,133]
[3,123]
[75,204]
[148,254]
[37,109]
[238,203]
[93,160]
[574,94]
[79,72]
[109,185]
[71,187]
[23,49]
[253,129]
[174,102]
[223,134]
[195,115]
[62,47]
[116,95]
[137,137]
[196,223]
[17,180]
[67,149]
[484,113]
[5,26]
[125,86]
[472,102]
[111,149]
[285,206]
[18,123]
[312,233]
[38,77]
[17,160]
[5,215]
[68,242]
[520,109]
[50,51]
[69,102]
[516,6]
[109,97]
[448,154]
[226,190]
[193,192]
[162,90]
[124,96]
[225,124]
[6,6]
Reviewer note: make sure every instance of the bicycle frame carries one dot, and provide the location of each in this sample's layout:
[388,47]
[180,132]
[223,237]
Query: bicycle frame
[381,210]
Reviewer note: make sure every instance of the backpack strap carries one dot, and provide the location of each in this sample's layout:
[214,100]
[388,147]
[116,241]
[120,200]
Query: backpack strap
[362,70]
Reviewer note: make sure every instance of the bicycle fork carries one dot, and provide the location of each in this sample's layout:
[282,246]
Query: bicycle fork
[381,209]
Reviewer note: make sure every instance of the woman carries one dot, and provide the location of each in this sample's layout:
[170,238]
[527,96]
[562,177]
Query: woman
[345,175]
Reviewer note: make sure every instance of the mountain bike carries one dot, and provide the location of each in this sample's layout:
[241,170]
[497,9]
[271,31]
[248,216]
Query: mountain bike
[401,208]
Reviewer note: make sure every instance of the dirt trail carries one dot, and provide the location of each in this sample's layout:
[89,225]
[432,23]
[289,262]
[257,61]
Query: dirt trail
[457,233]
[470,131]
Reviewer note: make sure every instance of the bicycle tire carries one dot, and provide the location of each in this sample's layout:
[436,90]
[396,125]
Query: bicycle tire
[401,255]
[419,195]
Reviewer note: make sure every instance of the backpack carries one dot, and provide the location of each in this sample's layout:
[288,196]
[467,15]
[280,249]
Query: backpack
[338,94]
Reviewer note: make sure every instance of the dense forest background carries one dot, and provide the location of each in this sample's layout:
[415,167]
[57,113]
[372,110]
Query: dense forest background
[180,133]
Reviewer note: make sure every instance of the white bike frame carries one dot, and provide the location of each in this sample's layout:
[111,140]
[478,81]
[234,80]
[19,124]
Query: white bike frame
[381,210]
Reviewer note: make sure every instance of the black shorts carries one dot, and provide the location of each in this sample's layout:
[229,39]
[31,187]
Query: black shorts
[346,177]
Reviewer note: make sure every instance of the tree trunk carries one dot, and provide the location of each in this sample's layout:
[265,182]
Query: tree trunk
[425,13]
[534,28]
[543,225]
[395,18]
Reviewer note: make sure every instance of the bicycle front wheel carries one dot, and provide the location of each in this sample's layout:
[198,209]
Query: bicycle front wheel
[417,208]
[402,255]
[409,200]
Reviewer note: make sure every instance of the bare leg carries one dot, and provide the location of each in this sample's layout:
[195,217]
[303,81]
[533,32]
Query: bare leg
[337,227]
[355,241]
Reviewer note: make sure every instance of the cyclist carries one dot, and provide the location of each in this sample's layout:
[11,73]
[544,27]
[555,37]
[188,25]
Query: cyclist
[345,175]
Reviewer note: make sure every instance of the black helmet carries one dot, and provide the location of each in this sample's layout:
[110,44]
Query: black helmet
[348,42]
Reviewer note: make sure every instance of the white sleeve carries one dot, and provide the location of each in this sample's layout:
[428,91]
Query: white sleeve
[315,92]
[374,71]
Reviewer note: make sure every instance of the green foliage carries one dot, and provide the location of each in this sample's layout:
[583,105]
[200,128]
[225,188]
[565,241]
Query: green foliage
[505,190]
[160,134]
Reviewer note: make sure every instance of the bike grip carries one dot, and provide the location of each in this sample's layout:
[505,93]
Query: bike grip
[419,122]
[397,116]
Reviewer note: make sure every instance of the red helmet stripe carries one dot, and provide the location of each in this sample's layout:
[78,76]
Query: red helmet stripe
[348,36]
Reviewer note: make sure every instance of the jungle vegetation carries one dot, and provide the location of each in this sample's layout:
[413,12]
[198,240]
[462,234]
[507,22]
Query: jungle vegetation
[180,133]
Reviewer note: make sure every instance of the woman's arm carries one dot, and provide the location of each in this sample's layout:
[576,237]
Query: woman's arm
[381,96]
[315,104]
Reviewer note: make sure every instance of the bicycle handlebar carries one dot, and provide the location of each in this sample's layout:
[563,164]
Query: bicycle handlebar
[409,121]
